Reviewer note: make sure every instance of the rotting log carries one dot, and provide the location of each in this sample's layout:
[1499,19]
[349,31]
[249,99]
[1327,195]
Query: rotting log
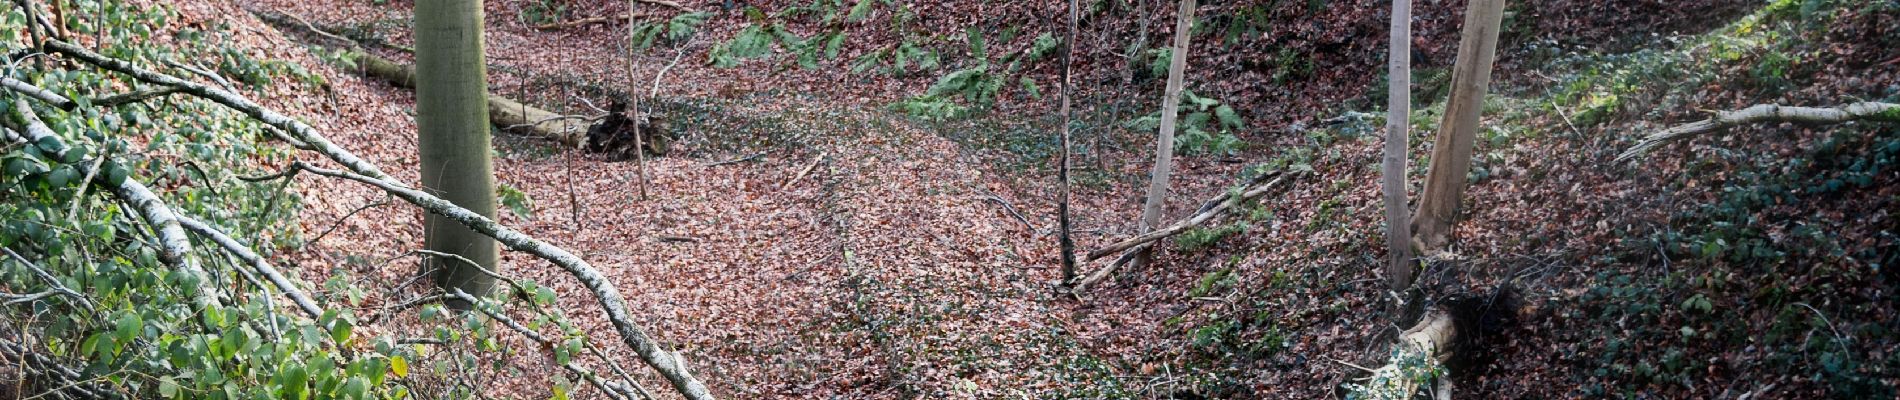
[1863,111]
[507,114]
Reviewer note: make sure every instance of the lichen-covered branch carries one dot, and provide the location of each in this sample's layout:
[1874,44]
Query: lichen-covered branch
[1863,111]
[173,247]
[258,263]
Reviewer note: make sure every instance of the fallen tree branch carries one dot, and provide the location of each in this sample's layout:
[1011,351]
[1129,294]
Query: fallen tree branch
[508,114]
[803,172]
[754,156]
[546,343]
[64,103]
[666,362]
[554,26]
[1863,111]
[50,280]
[669,364]
[1214,207]
[1011,209]
[173,246]
[1210,209]
[258,264]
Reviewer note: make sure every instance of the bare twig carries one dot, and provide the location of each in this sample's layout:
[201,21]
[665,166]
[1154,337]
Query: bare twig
[801,173]
[346,217]
[48,277]
[754,156]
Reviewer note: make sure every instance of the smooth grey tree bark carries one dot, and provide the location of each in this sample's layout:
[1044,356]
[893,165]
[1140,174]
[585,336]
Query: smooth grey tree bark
[452,118]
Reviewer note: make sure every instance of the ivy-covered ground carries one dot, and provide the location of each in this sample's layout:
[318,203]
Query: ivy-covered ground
[873,249]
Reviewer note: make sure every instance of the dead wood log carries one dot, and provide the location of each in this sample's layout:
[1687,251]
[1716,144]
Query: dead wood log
[1214,207]
[505,113]
[1419,357]
[668,363]
[1863,111]
[555,26]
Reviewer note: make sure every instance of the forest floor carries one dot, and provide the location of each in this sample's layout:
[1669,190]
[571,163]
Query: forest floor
[867,254]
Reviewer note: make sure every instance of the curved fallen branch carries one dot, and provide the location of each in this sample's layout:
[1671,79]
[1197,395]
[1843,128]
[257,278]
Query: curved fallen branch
[1214,207]
[1863,111]
[669,364]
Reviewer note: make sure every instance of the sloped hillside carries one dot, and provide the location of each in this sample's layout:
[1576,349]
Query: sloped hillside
[859,202]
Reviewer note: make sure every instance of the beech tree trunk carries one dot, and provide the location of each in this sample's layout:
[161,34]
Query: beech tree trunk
[452,117]
[1451,153]
[1164,142]
[1398,233]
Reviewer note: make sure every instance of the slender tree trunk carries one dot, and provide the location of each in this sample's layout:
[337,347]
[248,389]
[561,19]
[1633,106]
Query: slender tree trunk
[1128,82]
[1164,144]
[1451,153]
[633,83]
[1062,172]
[452,115]
[1398,235]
